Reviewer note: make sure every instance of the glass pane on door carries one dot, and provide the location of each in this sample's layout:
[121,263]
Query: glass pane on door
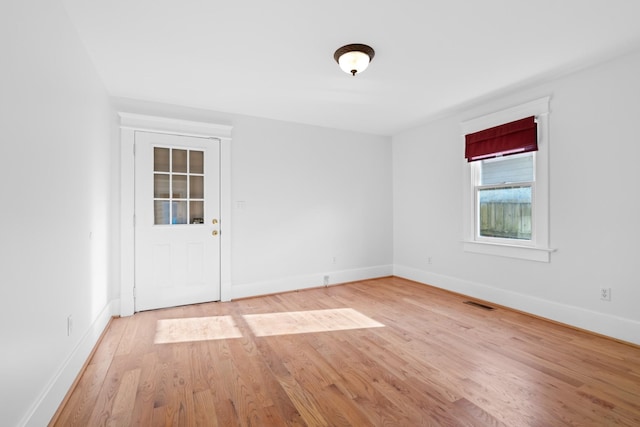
[161,212]
[179,160]
[196,161]
[161,186]
[196,212]
[161,159]
[178,186]
[179,212]
[196,187]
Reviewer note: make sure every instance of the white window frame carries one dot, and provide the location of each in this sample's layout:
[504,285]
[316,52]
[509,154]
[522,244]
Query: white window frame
[536,249]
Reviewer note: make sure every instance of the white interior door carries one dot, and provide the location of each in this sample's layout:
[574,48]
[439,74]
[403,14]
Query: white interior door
[177,211]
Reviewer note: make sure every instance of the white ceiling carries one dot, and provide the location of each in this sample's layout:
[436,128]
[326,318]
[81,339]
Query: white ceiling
[274,59]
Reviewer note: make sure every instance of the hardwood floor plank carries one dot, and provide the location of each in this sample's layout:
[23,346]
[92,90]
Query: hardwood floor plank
[436,361]
[110,341]
[78,407]
[145,398]
[125,399]
[274,366]
[467,414]
[250,394]
[180,396]
[101,412]
[129,338]
[217,378]
[305,402]
[204,409]
[159,417]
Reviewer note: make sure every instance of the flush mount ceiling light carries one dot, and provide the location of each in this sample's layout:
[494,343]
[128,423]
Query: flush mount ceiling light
[354,58]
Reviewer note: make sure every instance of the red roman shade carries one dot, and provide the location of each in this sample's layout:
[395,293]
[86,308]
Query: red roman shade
[516,137]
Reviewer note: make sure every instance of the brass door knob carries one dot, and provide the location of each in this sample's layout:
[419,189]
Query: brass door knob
[214,221]
[214,232]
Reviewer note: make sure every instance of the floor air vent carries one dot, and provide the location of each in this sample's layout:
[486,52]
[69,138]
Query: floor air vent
[478,305]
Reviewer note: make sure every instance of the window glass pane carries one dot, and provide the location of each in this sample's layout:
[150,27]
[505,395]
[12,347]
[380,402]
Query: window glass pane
[179,158]
[161,186]
[179,188]
[505,212]
[178,177]
[507,169]
[161,212]
[179,212]
[160,159]
[196,163]
[196,212]
[196,187]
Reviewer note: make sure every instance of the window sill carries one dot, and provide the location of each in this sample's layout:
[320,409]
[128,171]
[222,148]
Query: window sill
[510,251]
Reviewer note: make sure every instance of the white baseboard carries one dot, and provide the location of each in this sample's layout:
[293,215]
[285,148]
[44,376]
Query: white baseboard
[601,323]
[47,404]
[308,281]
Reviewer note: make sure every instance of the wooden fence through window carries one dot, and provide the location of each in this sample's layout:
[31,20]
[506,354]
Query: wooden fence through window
[506,220]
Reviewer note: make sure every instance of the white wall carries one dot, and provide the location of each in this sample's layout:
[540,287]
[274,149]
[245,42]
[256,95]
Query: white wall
[301,196]
[316,201]
[55,119]
[594,205]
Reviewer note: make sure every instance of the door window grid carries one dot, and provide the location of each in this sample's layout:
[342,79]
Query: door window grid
[178,181]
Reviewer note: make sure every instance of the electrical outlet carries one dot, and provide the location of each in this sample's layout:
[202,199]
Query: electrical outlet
[326,280]
[605,294]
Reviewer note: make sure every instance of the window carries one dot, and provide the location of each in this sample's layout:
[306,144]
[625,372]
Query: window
[503,197]
[506,197]
[178,186]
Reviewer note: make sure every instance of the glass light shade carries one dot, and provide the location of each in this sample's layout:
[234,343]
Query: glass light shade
[354,61]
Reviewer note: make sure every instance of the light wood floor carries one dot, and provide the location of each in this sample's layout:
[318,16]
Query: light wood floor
[436,361]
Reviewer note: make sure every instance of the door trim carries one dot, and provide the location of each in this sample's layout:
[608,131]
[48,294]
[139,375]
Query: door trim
[129,123]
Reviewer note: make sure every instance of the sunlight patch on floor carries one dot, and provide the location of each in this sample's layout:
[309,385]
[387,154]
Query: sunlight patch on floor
[300,322]
[196,329]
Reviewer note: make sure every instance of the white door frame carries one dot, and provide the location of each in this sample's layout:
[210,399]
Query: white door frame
[129,123]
